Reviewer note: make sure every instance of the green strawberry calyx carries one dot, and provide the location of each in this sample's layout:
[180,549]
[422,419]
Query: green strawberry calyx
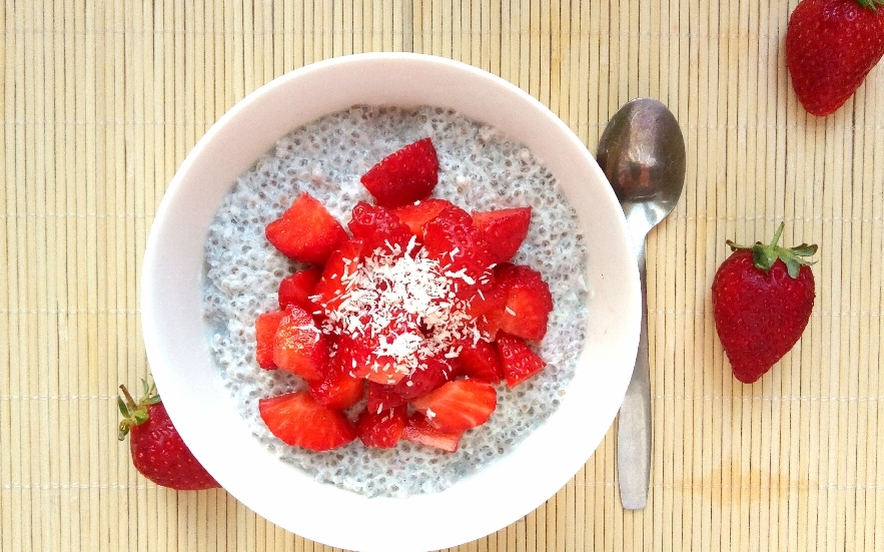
[871,4]
[135,413]
[764,256]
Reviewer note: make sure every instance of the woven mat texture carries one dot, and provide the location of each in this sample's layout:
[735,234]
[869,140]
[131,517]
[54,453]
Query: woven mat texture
[100,101]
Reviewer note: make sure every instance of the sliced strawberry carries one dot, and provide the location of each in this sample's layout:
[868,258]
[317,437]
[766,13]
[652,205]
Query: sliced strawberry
[378,228]
[350,351]
[461,249]
[487,308]
[306,231]
[265,337]
[416,215]
[387,352]
[381,369]
[519,361]
[381,428]
[298,420]
[528,301]
[504,229]
[404,176]
[418,430]
[480,361]
[297,289]
[339,389]
[458,405]
[331,290]
[380,396]
[431,374]
[361,352]
[299,346]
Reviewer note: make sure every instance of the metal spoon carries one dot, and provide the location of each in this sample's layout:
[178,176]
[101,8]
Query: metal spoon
[642,152]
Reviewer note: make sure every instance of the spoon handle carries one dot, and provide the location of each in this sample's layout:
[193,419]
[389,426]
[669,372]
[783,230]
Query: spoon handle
[634,425]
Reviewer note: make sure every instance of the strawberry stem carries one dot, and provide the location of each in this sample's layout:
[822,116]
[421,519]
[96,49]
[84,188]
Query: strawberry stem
[135,413]
[129,400]
[777,234]
[764,256]
[870,4]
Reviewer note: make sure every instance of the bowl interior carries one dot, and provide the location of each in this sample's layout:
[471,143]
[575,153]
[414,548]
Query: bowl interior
[191,385]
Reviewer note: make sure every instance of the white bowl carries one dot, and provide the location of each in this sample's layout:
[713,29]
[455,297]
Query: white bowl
[192,387]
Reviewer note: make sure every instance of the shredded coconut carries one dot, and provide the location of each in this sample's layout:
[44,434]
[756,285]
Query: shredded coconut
[391,285]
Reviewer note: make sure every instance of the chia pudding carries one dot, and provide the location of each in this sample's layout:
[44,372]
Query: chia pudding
[479,169]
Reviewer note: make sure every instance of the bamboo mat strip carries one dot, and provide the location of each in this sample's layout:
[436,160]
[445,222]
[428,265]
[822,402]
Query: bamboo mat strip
[101,102]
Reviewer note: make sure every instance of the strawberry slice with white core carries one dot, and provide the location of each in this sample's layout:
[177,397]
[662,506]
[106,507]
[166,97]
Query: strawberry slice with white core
[458,405]
[298,420]
[419,430]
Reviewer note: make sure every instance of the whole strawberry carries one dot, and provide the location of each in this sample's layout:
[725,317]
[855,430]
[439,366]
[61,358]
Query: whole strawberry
[158,451]
[762,297]
[831,45]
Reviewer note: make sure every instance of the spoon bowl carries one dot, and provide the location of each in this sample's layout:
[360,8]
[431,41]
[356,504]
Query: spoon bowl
[642,153]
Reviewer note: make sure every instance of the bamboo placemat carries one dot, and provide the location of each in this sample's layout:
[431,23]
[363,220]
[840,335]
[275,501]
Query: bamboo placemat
[102,100]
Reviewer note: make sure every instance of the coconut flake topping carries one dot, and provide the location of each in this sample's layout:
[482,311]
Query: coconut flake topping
[394,287]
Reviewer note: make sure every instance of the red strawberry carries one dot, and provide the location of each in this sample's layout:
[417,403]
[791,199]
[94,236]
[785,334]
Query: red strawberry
[404,176]
[382,354]
[378,228]
[528,301]
[299,346]
[339,389]
[519,361]
[381,428]
[380,396]
[418,430]
[481,362]
[297,289]
[432,373]
[504,229]
[831,45]
[458,405]
[158,451]
[298,420]
[487,309]
[360,352]
[762,297]
[306,231]
[331,290]
[452,239]
[265,338]
[416,215]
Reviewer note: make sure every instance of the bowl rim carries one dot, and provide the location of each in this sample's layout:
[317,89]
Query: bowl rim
[180,223]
